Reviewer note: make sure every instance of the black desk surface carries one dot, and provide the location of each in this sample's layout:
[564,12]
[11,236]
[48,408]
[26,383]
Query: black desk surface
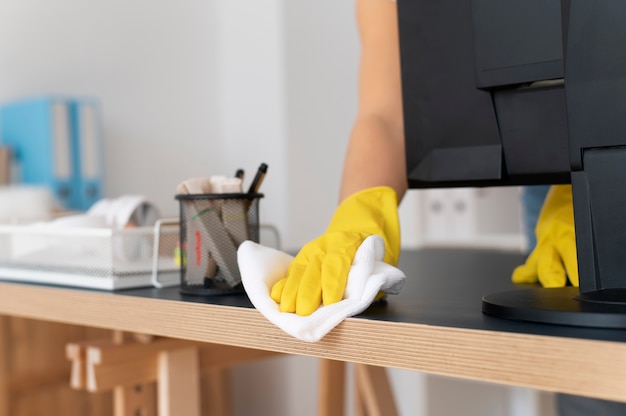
[444,287]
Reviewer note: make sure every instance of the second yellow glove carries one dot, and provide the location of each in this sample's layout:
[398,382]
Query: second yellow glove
[553,260]
[318,274]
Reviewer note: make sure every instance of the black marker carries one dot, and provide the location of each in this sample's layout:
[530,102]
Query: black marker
[258,179]
[239,174]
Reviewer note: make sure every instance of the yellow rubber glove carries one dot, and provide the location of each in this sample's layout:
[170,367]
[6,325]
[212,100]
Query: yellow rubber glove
[554,258]
[319,273]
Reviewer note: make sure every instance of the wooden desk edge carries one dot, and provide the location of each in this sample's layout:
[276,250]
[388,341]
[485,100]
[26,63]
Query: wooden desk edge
[574,366]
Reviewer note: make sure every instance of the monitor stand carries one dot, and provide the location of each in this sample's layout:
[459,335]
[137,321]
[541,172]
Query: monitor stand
[600,220]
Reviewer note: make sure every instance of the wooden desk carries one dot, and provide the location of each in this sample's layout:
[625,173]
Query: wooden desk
[435,325]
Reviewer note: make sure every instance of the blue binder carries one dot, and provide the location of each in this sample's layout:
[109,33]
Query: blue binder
[87,157]
[38,131]
[57,142]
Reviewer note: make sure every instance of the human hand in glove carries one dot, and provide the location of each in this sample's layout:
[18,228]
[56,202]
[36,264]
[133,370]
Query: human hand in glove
[553,260]
[319,273]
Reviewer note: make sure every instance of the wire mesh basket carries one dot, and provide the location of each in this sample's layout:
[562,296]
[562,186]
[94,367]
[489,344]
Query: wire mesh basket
[99,258]
[211,228]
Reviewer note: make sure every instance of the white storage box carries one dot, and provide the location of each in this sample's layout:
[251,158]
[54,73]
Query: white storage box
[98,258]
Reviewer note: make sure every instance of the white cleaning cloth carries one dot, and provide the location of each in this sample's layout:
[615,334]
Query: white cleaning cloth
[262,266]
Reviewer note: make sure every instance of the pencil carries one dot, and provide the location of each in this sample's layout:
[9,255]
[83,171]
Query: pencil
[258,179]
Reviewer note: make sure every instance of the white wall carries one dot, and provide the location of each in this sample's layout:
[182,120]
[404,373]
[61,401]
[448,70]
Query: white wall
[321,57]
[464,217]
[202,87]
[152,64]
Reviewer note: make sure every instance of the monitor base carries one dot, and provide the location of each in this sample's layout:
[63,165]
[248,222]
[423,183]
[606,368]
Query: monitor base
[561,306]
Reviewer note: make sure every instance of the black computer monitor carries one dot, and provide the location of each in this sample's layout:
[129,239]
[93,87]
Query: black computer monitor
[509,92]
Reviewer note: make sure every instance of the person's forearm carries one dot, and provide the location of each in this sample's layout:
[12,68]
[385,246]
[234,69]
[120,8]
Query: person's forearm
[375,156]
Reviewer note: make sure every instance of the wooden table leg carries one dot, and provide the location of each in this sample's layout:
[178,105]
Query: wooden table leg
[5,399]
[331,388]
[374,392]
[217,391]
[179,382]
[135,400]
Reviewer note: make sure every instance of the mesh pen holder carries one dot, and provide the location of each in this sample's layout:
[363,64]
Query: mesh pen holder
[211,228]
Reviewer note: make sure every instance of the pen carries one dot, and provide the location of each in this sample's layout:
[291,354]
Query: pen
[239,174]
[258,179]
